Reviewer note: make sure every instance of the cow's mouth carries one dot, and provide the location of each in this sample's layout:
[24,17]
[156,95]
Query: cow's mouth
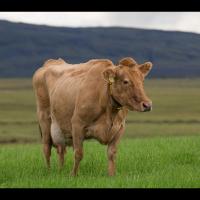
[139,107]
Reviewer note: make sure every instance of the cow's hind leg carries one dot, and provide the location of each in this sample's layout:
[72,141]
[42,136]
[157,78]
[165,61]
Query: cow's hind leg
[59,141]
[61,150]
[44,124]
[47,153]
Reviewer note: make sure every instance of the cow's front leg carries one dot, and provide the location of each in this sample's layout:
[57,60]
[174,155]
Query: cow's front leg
[112,150]
[77,133]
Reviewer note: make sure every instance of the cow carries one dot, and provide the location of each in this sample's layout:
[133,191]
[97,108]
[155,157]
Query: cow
[76,102]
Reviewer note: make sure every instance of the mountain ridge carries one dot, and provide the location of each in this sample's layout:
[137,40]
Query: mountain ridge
[25,47]
[91,27]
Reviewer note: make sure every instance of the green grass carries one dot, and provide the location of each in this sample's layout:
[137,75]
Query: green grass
[170,162]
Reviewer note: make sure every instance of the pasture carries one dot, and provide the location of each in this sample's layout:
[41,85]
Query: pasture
[142,163]
[159,149]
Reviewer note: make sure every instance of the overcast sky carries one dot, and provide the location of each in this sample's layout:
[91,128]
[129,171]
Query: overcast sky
[182,21]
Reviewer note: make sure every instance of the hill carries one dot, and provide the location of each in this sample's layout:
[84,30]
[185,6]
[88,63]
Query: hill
[25,47]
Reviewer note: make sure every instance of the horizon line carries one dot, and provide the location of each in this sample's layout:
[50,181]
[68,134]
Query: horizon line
[98,26]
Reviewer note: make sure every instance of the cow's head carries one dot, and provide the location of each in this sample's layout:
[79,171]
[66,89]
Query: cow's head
[126,84]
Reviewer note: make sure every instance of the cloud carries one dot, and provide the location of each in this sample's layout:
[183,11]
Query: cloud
[74,19]
[182,21]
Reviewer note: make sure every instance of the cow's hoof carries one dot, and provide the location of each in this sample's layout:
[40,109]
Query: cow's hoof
[111,174]
[73,174]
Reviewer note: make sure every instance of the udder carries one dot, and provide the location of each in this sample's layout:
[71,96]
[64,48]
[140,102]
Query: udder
[59,137]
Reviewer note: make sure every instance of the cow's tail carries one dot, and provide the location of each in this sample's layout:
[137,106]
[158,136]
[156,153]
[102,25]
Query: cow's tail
[40,130]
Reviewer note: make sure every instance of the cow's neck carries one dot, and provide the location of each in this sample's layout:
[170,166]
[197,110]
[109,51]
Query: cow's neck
[113,108]
[108,102]
[114,103]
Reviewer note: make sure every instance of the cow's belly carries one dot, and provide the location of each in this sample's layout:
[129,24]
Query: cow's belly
[103,131]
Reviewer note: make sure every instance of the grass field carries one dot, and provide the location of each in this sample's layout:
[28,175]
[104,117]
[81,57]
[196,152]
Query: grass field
[142,163]
[159,149]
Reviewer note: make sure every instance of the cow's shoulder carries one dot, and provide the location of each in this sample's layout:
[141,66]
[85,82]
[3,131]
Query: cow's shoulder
[51,62]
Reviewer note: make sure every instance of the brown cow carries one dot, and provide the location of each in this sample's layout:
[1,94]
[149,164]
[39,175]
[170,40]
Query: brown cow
[87,100]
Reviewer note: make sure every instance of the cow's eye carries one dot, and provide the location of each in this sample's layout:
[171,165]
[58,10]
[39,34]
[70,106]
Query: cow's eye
[125,82]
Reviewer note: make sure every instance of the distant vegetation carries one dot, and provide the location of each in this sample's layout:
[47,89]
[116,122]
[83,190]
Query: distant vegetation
[175,111]
[25,47]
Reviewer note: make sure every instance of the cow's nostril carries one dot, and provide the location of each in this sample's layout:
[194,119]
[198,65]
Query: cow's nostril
[146,106]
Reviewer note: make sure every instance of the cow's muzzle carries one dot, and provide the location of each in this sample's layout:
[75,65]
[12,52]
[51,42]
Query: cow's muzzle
[146,106]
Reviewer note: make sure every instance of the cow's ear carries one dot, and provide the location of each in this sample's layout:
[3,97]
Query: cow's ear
[130,62]
[145,68]
[109,75]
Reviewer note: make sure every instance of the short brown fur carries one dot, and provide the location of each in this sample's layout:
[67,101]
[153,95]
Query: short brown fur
[87,100]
